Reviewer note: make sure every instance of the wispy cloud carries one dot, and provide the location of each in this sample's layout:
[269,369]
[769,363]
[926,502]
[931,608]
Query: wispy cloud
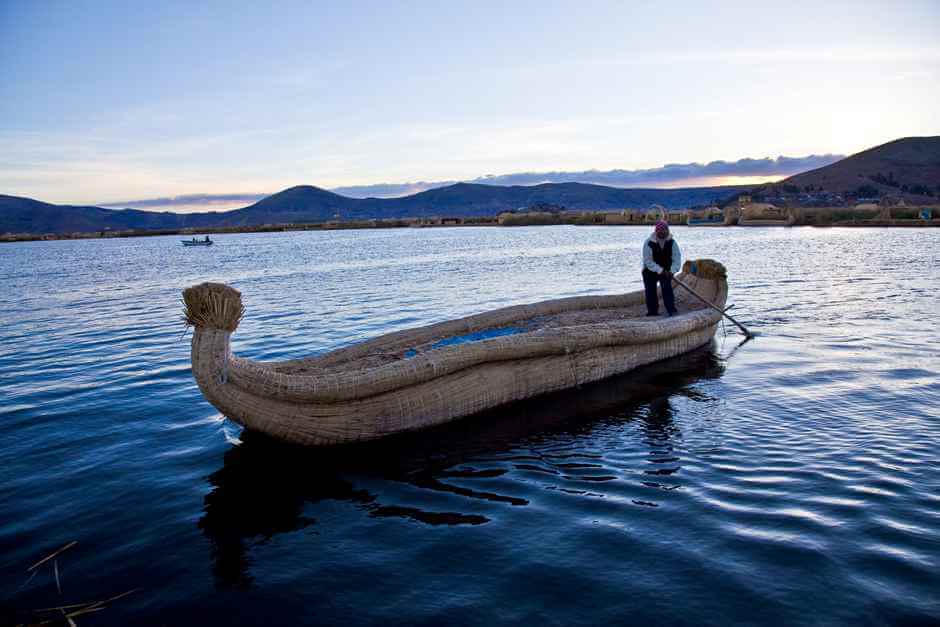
[670,175]
[805,54]
[188,202]
[389,190]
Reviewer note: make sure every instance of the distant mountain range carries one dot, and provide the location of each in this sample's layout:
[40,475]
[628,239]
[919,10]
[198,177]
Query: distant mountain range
[909,168]
[25,215]
[309,204]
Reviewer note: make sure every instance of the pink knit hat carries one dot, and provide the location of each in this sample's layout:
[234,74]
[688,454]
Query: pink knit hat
[662,229]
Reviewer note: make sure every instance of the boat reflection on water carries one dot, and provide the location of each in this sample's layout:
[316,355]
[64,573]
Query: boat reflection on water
[265,486]
[659,431]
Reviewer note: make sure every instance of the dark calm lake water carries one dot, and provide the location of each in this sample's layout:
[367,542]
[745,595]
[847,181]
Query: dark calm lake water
[792,480]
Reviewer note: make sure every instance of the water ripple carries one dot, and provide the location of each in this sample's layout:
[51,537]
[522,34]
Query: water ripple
[791,480]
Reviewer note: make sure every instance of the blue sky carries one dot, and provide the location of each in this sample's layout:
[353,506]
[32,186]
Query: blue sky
[107,101]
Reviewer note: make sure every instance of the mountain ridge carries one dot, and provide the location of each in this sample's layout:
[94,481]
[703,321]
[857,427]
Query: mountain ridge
[311,204]
[907,168]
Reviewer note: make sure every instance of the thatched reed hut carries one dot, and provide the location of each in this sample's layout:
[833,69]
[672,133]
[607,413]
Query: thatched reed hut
[765,214]
[654,213]
[709,216]
[732,215]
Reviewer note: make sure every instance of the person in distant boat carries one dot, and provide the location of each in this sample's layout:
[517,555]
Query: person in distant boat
[661,259]
[207,238]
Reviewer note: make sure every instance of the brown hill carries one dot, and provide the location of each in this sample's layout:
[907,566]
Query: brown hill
[908,168]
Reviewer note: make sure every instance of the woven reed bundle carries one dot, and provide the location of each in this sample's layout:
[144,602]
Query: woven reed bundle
[704,269]
[213,305]
[763,211]
[361,402]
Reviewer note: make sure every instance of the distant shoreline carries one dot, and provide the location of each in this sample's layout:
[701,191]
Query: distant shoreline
[581,220]
[189,233]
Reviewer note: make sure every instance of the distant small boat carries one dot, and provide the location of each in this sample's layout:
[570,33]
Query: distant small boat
[197,242]
[418,378]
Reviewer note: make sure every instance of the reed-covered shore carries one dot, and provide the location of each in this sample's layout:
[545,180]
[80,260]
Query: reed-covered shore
[736,216]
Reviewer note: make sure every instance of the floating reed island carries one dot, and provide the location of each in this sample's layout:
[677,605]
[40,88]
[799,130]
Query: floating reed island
[422,377]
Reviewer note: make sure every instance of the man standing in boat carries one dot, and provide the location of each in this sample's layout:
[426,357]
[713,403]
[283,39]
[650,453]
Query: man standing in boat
[661,259]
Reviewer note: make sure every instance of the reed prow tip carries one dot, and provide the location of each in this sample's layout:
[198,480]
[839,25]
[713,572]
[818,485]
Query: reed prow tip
[213,306]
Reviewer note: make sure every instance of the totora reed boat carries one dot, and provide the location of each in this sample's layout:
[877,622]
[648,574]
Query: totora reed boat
[418,378]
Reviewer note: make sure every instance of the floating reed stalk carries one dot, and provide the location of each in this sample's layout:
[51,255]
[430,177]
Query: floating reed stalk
[51,555]
[67,612]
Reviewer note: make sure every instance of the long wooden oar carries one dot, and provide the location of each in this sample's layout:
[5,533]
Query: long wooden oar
[724,313]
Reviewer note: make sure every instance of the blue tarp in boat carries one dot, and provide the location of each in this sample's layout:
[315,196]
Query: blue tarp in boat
[476,336]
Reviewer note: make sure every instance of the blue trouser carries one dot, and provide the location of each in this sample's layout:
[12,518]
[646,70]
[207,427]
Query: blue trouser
[652,302]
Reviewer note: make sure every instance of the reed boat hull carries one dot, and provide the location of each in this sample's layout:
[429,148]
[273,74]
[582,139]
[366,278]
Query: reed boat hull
[306,402]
